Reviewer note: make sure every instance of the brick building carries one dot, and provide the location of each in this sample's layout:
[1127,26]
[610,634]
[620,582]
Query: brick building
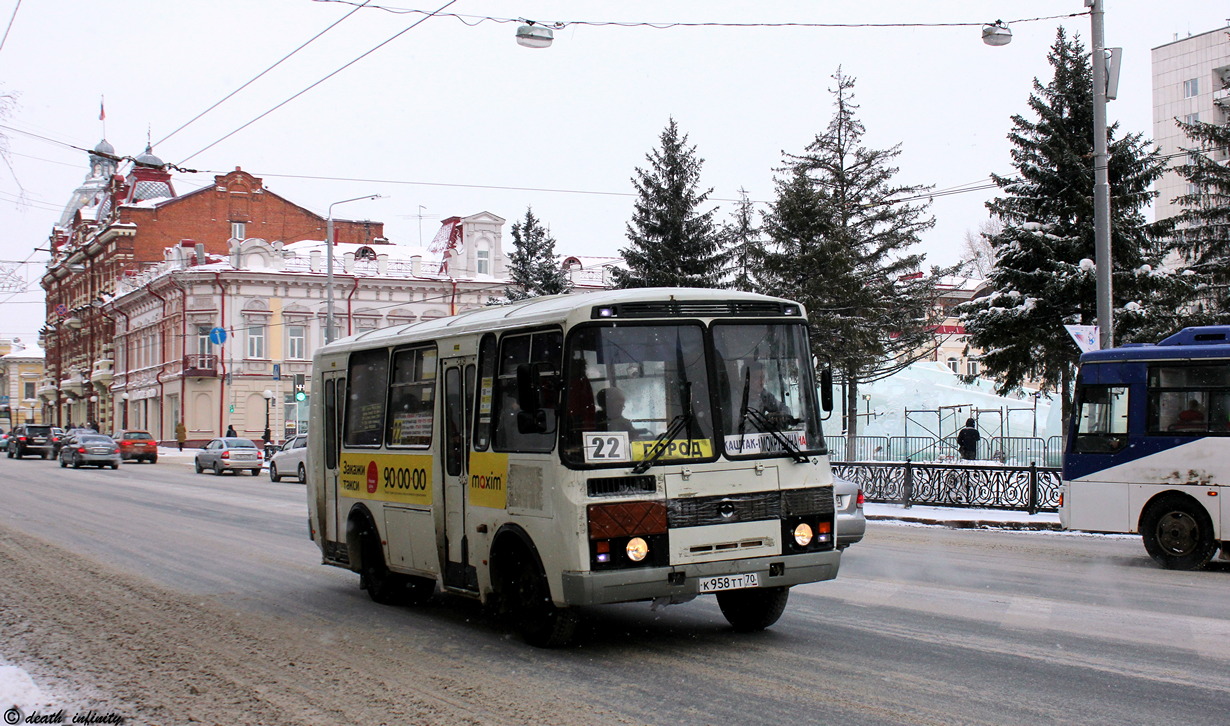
[118,224]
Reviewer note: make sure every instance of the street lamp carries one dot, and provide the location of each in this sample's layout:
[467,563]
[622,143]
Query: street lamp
[997,34]
[329,265]
[268,394]
[124,398]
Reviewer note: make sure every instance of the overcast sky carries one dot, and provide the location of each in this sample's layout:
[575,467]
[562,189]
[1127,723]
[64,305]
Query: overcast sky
[454,118]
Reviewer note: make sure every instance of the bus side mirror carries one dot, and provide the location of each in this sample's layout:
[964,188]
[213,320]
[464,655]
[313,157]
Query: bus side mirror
[826,388]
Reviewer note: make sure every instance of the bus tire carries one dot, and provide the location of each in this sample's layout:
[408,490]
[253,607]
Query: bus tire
[385,586]
[753,608]
[527,599]
[1177,533]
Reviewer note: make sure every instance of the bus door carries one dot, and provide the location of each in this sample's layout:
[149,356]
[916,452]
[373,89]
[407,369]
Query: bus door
[459,375]
[335,398]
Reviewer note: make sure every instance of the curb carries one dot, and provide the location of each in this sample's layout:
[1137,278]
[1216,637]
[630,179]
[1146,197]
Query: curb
[972,523]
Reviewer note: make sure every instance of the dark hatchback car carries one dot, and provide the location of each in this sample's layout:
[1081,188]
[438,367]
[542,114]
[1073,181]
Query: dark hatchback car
[31,439]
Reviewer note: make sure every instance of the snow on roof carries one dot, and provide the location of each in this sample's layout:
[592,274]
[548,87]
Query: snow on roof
[394,251]
[32,352]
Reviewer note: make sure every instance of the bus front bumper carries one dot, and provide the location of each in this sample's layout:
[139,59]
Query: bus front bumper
[613,586]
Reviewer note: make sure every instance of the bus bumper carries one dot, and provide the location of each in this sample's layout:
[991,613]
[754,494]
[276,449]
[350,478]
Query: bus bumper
[597,588]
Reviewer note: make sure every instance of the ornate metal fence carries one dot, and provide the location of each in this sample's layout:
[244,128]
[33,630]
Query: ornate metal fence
[1029,488]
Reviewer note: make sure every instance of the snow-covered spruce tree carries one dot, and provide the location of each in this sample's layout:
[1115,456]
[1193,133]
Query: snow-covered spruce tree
[840,246]
[672,242]
[1043,277]
[743,247]
[532,266]
[1202,231]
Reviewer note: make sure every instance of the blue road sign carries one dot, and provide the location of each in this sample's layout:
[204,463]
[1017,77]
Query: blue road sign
[277,371]
[217,336]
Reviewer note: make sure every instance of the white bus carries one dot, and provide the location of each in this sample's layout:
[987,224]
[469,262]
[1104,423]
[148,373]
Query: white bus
[636,445]
[1149,446]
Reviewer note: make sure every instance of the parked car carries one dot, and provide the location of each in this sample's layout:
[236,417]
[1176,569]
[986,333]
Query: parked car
[29,439]
[138,445]
[851,524]
[90,449]
[291,457]
[229,454]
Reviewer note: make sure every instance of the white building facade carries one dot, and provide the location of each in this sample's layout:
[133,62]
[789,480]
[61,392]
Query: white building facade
[1191,82]
[218,342]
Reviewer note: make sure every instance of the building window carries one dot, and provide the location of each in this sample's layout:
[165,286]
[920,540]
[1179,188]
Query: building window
[954,365]
[256,341]
[972,367]
[1191,118]
[202,341]
[1191,88]
[238,229]
[484,262]
[27,390]
[296,342]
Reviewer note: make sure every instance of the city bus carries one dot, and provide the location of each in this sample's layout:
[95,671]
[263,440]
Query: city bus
[577,450]
[1148,448]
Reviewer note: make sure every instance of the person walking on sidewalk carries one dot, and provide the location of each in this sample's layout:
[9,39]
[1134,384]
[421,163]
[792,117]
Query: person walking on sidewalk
[967,440]
[230,431]
[181,434]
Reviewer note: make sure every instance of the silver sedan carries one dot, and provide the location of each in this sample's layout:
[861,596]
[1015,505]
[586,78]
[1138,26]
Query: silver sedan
[851,524]
[89,449]
[229,454]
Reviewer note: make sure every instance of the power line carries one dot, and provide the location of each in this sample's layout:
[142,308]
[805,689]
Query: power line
[10,25]
[473,20]
[395,36]
[262,73]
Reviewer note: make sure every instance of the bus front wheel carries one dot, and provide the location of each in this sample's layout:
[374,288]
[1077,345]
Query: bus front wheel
[528,599]
[753,609]
[1178,533]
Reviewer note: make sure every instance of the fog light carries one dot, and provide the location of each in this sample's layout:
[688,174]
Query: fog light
[637,549]
[802,535]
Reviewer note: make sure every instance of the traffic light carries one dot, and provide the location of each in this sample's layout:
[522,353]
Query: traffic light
[300,387]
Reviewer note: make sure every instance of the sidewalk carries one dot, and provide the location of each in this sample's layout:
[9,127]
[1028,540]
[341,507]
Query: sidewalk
[962,518]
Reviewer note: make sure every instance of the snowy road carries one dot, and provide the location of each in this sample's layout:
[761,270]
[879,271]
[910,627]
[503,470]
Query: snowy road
[169,597]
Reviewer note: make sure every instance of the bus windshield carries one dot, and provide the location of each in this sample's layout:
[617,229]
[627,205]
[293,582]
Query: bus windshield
[767,395]
[637,393]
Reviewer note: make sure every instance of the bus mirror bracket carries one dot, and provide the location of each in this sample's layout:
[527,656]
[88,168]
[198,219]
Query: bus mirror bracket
[826,388]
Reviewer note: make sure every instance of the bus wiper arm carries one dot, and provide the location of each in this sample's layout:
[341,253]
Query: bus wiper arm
[663,442]
[758,418]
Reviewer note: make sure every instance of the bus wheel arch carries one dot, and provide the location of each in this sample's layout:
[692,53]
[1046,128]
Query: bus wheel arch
[366,552]
[523,595]
[1177,531]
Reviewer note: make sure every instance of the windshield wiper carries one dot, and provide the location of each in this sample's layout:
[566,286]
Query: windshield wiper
[663,442]
[762,422]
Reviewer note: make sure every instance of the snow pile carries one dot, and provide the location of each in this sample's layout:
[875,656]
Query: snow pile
[932,386]
[18,690]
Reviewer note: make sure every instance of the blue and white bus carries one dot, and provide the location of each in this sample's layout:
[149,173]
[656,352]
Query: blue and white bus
[1148,448]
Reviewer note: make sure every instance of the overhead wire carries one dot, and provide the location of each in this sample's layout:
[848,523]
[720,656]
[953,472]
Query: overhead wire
[257,77]
[395,36]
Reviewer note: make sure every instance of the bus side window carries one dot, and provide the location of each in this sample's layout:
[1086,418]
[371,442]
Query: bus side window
[1102,425]
[533,360]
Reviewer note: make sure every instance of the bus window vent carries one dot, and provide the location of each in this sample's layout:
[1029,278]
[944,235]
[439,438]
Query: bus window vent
[617,485]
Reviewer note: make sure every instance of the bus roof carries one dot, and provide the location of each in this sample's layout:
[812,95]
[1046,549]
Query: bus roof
[687,301]
[1211,341]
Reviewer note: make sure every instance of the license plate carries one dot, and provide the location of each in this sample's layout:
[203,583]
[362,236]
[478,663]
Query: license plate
[728,582]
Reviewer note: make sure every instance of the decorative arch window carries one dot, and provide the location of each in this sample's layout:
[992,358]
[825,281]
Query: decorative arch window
[365,253]
[954,364]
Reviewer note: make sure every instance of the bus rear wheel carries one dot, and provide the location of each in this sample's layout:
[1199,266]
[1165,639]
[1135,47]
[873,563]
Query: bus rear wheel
[387,587]
[753,609]
[1178,533]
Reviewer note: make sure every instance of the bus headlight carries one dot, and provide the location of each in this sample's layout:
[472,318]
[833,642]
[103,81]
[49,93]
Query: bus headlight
[803,535]
[637,549]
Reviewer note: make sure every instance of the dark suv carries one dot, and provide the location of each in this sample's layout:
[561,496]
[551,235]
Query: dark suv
[31,439]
